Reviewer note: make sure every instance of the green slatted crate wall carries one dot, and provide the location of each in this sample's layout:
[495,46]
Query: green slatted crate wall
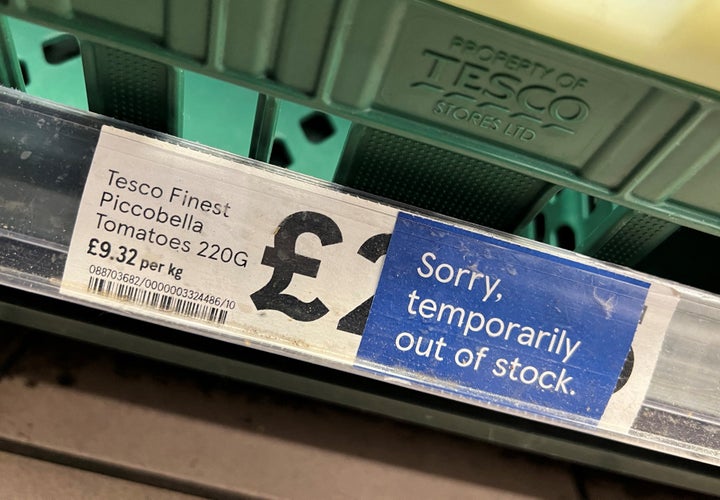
[305,140]
[296,74]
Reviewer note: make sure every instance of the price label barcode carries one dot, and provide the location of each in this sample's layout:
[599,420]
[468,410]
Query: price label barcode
[168,303]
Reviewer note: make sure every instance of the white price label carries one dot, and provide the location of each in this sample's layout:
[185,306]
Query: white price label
[234,250]
[184,235]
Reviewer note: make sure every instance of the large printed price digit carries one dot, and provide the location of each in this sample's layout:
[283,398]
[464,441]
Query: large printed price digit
[286,263]
[372,250]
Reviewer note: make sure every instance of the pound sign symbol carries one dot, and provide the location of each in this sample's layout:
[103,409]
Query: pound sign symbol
[286,262]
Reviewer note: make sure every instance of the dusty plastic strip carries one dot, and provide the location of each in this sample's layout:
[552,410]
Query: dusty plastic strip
[38,216]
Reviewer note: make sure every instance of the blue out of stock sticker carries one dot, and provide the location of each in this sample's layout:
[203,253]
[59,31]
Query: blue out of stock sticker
[492,320]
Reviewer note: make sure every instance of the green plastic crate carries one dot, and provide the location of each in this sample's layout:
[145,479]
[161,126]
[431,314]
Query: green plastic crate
[599,126]
[499,107]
